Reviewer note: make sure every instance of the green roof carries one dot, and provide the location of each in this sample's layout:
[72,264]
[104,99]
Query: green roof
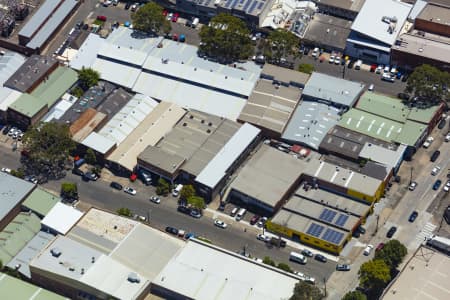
[13,288]
[394,109]
[56,85]
[47,93]
[40,201]
[382,128]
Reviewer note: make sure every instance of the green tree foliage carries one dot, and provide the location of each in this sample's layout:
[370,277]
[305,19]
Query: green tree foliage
[392,253]
[123,211]
[284,267]
[187,192]
[48,146]
[268,261]
[197,202]
[18,173]
[374,275]
[306,291]
[69,190]
[226,38]
[163,187]
[306,68]
[90,157]
[149,18]
[77,92]
[354,295]
[282,43]
[429,83]
[88,77]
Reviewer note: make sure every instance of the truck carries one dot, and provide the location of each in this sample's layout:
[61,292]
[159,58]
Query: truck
[176,191]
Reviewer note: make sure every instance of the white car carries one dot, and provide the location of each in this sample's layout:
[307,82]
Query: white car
[379,69]
[412,186]
[107,3]
[428,142]
[263,237]
[337,60]
[435,170]
[368,250]
[386,69]
[331,60]
[371,87]
[387,77]
[129,190]
[169,16]
[447,137]
[6,170]
[304,277]
[315,52]
[447,186]
[155,199]
[220,223]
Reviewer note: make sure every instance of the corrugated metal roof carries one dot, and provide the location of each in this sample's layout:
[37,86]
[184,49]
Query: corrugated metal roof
[12,191]
[7,97]
[98,142]
[39,17]
[9,63]
[40,201]
[216,169]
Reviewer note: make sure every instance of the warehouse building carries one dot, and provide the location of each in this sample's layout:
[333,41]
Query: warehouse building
[347,9]
[272,102]
[13,288]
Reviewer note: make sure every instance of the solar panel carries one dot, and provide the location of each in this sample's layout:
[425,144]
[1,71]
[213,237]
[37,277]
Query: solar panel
[234,3]
[333,236]
[252,7]
[341,220]
[228,3]
[315,229]
[207,2]
[327,215]
[247,4]
[261,4]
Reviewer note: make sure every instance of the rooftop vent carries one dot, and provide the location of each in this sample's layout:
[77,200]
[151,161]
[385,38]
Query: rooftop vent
[133,277]
[92,259]
[55,252]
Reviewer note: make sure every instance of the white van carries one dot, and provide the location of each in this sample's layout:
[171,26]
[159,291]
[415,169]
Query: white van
[358,64]
[240,214]
[234,211]
[298,258]
[176,191]
[195,22]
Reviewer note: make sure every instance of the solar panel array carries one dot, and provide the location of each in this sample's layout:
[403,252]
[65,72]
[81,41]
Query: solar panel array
[327,215]
[252,7]
[333,236]
[341,220]
[315,229]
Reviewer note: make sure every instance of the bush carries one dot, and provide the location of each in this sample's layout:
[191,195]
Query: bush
[77,92]
[284,267]
[268,261]
[123,211]
[69,190]
[163,187]
[197,202]
[306,68]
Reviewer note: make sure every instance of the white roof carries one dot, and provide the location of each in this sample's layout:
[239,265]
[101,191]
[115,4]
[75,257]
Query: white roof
[7,97]
[116,73]
[61,218]
[111,277]
[60,108]
[201,271]
[369,20]
[131,55]
[189,96]
[87,54]
[383,155]
[216,169]
[98,142]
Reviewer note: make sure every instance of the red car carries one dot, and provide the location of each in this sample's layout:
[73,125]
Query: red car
[101,18]
[165,12]
[175,17]
[254,219]
[175,37]
[373,68]
[379,247]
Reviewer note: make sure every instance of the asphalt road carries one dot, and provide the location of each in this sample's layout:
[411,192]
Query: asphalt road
[234,238]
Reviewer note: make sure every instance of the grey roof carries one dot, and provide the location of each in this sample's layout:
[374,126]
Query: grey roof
[436,13]
[388,157]
[9,63]
[419,43]
[33,70]
[39,17]
[310,122]
[369,20]
[218,167]
[417,8]
[32,248]
[52,24]
[351,5]
[337,91]
[280,74]
[12,190]
[372,169]
[329,31]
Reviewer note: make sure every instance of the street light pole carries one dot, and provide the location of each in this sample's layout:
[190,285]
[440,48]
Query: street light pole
[410,178]
[376,228]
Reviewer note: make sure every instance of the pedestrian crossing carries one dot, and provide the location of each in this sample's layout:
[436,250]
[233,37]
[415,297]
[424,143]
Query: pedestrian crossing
[426,232]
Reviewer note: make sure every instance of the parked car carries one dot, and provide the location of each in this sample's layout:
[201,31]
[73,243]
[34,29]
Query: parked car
[331,59]
[127,5]
[447,186]
[412,186]
[308,253]
[337,60]
[130,191]
[175,17]
[343,268]
[413,216]
[361,229]
[254,219]
[379,247]
[447,137]
[6,129]
[437,184]
[371,87]
[403,96]
[405,77]
[315,52]
[77,171]
[320,257]
[107,3]
[391,232]
[134,7]
[441,124]
[220,223]
[116,185]
[428,142]
[31,178]
[155,199]
[184,209]
[373,68]
[435,170]
[90,176]
[195,213]
[368,249]
[262,221]
[435,155]
[386,69]
[172,230]
[221,206]
[351,63]
[387,77]
[102,18]
[262,237]
[278,242]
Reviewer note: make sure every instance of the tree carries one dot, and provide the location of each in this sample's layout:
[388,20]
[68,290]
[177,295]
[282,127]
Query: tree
[392,253]
[374,275]
[48,146]
[69,191]
[306,68]
[18,173]
[354,295]
[90,157]
[187,192]
[123,211]
[268,261]
[88,77]
[150,19]
[226,38]
[284,267]
[197,202]
[306,291]
[429,84]
[163,187]
[282,43]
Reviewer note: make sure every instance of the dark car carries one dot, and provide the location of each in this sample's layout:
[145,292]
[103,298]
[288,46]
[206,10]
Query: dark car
[356,233]
[413,216]
[320,258]
[342,267]
[171,230]
[195,214]
[221,206]
[254,219]
[379,247]
[90,176]
[128,5]
[437,184]
[361,229]
[441,124]
[391,232]
[77,171]
[403,96]
[405,77]
[278,242]
[6,129]
[351,63]
[184,209]
[116,185]
[435,155]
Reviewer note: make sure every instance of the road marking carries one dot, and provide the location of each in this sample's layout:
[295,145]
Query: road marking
[426,232]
